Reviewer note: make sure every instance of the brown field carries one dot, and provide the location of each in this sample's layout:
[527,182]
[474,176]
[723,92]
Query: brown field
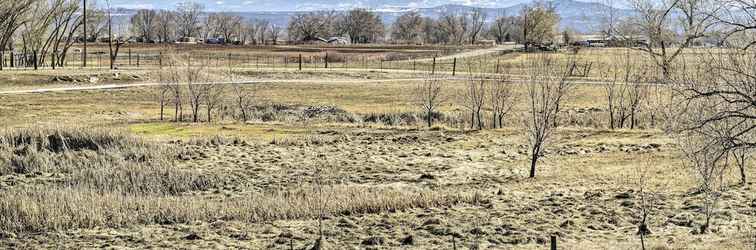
[335,151]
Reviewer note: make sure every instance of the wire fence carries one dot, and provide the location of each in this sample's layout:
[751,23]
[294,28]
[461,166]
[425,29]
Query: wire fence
[129,59]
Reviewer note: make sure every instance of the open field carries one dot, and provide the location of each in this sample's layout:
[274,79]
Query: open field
[343,155]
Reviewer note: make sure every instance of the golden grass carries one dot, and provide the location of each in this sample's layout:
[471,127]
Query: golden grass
[43,209]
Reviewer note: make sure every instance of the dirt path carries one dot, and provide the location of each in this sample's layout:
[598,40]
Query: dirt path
[474,53]
[148,84]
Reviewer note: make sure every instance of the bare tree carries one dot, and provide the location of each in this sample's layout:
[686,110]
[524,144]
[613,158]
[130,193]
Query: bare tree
[323,181]
[501,99]
[243,95]
[361,25]
[214,95]
[13,15]
[503,28]
[408,28]
[249,30]
[188,18]
[609,16]
[171,80]
[546,76]
[225,24]
[166,78]
[477,24]
[666,41]
[114,41]
[35,34]
[625,91]
[310,26]
[274,32]
[196,90]
[96,23]
[473,98]
[262,31]
[432,33]
[646,198]
[738,16]
[144,24]
[708,161]
[724,83]
[741,156]
[453,27]
[206,28]
[716,98]
[537,24]
[165,26]
[63,31]
[429,96]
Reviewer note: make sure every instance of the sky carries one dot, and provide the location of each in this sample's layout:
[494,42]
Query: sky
[304,5]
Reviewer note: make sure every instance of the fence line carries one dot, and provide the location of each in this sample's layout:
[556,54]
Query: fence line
[14,60]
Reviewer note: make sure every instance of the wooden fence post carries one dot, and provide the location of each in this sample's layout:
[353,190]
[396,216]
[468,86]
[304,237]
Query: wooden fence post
[138,60]
[160,59]
[553,242]
[300,62]
[454,67]
[35,59]
[433,70]
[129,56]
[326,60]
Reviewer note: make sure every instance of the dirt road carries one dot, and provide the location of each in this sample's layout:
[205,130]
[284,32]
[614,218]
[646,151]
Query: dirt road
[474,53]
[148,84]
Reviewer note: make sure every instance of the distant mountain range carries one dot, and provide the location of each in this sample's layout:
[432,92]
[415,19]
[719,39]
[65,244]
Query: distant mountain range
[577,15]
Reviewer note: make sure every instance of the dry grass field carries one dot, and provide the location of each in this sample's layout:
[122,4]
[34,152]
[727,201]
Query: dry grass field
[343,155]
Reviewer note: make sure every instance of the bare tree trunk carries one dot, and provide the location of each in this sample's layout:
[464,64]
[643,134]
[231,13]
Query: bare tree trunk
[195,112]
[162,107]
[430,118]
[472,120]
[534,160]
[242,109]
[643,242]
[480,120]
[209,113]
[176,113]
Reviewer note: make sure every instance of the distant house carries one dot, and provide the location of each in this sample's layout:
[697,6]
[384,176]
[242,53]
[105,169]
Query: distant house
[189,40]
[486,42]
[601,40]
[338,41]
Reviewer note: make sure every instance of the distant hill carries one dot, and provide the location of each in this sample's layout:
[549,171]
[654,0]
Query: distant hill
[579,16]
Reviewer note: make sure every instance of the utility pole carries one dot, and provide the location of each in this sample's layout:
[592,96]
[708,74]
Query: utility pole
[84,51]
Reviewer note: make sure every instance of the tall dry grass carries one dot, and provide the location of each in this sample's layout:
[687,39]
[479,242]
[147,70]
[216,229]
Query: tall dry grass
[100,159]
[39,209]
[112,179]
